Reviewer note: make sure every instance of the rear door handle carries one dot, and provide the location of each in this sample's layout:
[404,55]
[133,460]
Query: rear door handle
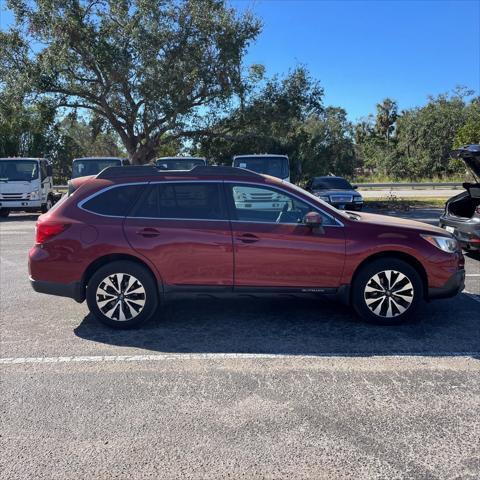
[148,232]
[248,238]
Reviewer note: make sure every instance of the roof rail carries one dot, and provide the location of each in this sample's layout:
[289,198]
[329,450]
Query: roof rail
[153,171]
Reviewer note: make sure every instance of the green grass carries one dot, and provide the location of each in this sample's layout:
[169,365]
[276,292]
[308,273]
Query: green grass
[386,179]
[403,203]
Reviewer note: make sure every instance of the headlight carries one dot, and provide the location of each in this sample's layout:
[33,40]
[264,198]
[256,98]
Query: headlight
[35,195]
[357,198]
[325,198]
[446,244]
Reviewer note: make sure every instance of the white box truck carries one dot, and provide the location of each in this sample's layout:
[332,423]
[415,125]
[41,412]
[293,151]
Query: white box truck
[26,184]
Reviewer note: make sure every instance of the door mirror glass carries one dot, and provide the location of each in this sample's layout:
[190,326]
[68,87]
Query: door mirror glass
[312,219]
[49,171]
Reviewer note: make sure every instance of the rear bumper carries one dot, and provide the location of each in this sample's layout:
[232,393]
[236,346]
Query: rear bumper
[466,232]
[70,290]
[454,285]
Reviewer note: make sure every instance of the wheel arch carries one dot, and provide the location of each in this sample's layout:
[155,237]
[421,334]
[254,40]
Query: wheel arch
[115,257]
[407,258]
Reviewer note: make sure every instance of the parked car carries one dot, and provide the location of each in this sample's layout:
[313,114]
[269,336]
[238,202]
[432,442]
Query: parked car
[462,212]
[266,163]
[336,191]
[26,185]
[179,163]
[86,166]
[131,237]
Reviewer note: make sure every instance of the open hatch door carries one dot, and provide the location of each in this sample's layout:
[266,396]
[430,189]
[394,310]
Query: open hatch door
[470,154]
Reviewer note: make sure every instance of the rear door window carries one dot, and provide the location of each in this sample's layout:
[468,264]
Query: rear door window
[194,201]
[116,201]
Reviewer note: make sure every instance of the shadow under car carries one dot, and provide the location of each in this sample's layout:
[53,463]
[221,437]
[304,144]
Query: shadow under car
[295,326]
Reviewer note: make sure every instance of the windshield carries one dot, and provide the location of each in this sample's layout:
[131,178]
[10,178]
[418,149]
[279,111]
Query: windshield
[18,170]
[274,166]
[334,183]
[84,167]
[179,163]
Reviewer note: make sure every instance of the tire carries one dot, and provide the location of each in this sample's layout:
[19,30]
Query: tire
[374,291]
[130,305]
[47,206]
[4,212]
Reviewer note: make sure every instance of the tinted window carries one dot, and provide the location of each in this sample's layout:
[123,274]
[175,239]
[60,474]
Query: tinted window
[116,201]
[331,183]
[182,200]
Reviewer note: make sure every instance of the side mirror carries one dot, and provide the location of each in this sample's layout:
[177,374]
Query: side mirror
[312,220]
[355,187]
[49,170]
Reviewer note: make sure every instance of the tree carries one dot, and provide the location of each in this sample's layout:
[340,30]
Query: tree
[470,132]
[270,120]
[81,137]
[386,117]
[328,147]
[425,136]
[25,129]
[153,69]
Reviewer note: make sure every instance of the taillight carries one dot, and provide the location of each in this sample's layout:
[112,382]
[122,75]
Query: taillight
[47,230]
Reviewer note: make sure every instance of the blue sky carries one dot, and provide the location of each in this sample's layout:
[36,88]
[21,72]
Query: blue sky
[364,51]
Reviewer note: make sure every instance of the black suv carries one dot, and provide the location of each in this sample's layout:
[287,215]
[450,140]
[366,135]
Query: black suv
[336,191]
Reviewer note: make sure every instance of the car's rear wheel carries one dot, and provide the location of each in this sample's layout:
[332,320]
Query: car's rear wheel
[387,291]
[122,294]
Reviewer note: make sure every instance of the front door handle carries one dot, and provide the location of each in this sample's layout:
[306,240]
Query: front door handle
[148,232]
[248,238]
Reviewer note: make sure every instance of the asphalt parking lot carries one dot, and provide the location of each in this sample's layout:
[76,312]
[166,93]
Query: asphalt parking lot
[241,388]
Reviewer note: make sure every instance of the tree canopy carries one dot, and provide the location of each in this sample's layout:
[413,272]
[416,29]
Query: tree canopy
[146,78]
[153,68]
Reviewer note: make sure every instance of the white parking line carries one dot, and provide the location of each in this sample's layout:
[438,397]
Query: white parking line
[208,356]
[472,275]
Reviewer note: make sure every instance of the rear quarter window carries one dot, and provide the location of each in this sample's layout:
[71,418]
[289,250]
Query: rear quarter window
[116,201]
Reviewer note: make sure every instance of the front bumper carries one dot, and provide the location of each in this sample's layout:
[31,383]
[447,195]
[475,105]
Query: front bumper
[354,206]
[21,205]
[70,290]
[454,285]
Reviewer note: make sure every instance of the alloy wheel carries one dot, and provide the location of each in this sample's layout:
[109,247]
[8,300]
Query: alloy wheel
[120,297]
[389,293]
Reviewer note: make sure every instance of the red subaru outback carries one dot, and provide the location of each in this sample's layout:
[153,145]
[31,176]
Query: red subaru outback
[131,236]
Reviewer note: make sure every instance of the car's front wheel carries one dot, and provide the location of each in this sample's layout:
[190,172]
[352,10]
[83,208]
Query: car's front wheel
[387,291]
[4,212]
[122,294]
